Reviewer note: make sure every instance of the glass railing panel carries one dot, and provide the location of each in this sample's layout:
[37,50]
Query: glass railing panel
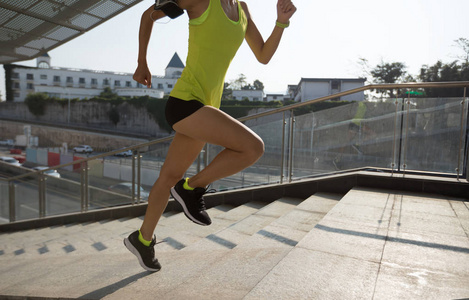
[27,197]
[269,167]
[62,192]
[355,135]
[431,134]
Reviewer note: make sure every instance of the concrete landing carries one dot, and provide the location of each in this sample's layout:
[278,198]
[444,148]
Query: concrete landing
[372,244]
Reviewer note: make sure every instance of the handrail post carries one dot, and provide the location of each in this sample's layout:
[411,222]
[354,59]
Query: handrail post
[12,202]
[282,160]
[139,171]
[82,188]
[290,153]
[394,141]
[461,133]
[42,195]
[133,179]
[404,165]
[87,190]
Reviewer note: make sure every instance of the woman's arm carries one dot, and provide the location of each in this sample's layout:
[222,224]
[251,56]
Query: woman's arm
[142,74]
[265,50]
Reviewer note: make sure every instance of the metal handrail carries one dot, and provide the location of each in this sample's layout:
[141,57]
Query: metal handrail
[411,85]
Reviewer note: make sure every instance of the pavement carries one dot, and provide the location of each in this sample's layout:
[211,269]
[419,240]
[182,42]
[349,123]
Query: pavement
[367,244]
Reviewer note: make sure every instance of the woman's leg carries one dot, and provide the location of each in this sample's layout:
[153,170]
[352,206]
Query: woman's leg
[242,146]
[181,154]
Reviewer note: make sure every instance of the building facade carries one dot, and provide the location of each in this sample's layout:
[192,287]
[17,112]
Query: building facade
[251,95]
[312,88]
[78,83]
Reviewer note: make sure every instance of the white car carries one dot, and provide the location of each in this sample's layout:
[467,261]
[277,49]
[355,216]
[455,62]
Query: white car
[83,149]
[10,160]
[51,172]
[124,153]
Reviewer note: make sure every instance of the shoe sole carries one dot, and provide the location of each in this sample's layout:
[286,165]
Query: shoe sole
[184,207]
[135,252]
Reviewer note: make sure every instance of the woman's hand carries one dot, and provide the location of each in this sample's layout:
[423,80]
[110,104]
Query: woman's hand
[142,75]
[285,9]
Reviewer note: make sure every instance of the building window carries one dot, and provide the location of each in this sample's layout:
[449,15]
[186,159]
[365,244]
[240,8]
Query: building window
[335,85]
[94,81]
[56,78]
[30,86]
[139,85]
[256,99]
[170,86]
[160,86]
[117,83]
[69,79]
[128,84]
[43,76]
[15,75]
[16,85]
[106,82]
[81,80]
[29,76]
[16,95]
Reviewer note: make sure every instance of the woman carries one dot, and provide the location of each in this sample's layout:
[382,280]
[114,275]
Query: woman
[216,30]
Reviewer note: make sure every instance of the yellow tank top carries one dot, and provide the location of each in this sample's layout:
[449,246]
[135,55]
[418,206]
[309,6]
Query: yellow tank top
[214,40]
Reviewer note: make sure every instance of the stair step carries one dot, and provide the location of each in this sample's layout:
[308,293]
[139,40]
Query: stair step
[289,229]
[230,237]
[177,236]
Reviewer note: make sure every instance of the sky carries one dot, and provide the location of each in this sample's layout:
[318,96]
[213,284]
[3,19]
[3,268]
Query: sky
[326,39]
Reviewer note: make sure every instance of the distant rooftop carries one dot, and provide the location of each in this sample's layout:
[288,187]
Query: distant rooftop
[175,62]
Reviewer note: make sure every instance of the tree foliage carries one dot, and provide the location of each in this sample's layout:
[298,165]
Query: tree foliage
[441,72]
[37,103]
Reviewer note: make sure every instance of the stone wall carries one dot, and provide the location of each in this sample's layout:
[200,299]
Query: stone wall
[133,120]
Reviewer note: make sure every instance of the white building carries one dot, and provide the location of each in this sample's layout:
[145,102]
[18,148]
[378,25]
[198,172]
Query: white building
[251,95]
[312,88]
[276,97]
[81,84]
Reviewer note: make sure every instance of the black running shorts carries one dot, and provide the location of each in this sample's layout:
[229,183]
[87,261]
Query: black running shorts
[177,109]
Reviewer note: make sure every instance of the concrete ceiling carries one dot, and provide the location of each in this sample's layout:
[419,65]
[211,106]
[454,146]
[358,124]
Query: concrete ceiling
[30,28]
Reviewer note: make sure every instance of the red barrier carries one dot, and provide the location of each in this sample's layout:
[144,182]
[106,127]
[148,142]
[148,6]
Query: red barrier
[53,159]
[15,151]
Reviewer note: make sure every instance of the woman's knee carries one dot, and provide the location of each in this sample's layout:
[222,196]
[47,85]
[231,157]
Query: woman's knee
[254,149]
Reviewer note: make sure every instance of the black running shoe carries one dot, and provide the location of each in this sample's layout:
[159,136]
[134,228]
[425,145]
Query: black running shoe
[145,255]
[192,203]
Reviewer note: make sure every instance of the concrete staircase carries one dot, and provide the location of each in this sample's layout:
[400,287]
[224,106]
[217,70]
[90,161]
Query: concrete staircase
[328,246]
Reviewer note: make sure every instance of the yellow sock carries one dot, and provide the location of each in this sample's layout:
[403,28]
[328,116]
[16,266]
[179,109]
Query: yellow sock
[186,185]
[142,240]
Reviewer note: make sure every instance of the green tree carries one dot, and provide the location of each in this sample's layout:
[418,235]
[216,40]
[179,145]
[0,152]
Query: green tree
[37,103]
[258,85]
[107,93]
[388,73]
[463,44]
[441,72]
[239,82]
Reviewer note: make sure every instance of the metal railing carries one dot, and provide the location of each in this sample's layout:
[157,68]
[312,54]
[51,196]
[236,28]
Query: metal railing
[307,149]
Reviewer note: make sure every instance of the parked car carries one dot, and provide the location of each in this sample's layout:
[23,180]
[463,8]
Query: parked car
[124,153]
[10,160]
[83,149]
[126,189]
[51,172]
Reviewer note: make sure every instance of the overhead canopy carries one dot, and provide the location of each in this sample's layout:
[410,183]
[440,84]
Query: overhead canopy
[30,28]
